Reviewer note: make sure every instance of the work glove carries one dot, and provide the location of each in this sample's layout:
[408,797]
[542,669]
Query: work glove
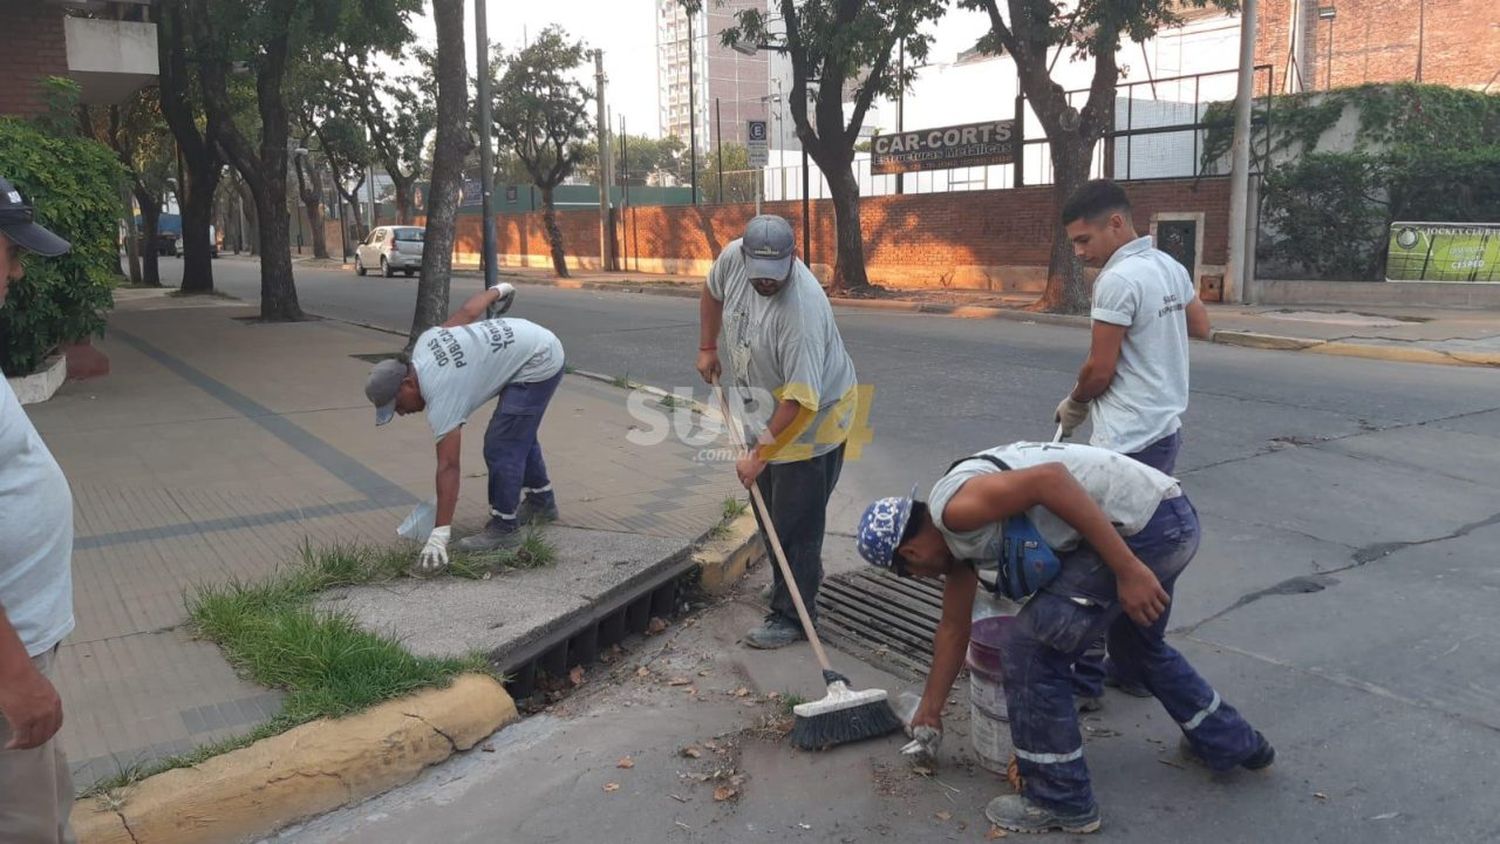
[924,744]
[501,305]
[434,557]
[1070,414]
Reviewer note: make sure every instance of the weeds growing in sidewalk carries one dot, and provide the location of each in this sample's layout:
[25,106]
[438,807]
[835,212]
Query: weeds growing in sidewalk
[622,381]
[327,665]
[734,508]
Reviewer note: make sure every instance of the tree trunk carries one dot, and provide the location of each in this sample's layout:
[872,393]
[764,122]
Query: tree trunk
[202,176]
[150,228]
[449,148]
[132,241]
[1067,290]
[849,269]
[278,291]
[251,233]
[554,234]
[404,187]
[310,186]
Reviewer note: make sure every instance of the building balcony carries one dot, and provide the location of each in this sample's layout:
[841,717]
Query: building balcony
[110,59]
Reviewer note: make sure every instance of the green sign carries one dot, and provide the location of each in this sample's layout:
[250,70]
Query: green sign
[1444,252]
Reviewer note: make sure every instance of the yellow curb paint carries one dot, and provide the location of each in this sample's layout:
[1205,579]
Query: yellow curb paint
[1407,354]
[722,562]
[306,771]
[1256,340]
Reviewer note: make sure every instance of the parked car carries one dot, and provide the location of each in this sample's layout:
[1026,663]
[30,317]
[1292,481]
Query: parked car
[391,248]
[166,244]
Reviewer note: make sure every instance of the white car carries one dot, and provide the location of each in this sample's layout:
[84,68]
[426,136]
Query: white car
[391,248]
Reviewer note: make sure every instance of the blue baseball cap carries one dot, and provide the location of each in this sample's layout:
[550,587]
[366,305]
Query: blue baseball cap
[881,527]
[768,246]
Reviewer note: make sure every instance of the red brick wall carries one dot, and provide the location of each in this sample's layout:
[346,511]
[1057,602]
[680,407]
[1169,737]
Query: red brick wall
[34,48]
[1376,41]
[927,235]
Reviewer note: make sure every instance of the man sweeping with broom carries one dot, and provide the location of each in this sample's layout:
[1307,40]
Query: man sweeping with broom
[1097,541]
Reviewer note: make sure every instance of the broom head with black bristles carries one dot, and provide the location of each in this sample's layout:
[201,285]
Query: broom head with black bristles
[842,716]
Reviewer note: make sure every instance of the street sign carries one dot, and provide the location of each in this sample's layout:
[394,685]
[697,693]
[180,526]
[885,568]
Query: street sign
[967,145]
[758,143]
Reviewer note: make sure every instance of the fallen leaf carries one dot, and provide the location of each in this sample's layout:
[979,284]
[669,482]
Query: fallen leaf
[723,793]
[711,745]
[678,681]
[994,833]
[741,691]
[655,626]
[611,786]
[643,671]
[774,696]
[703,673]
[921,771]
[576,675]
[691,752]
[944,816]
[1320,795]
[625,762]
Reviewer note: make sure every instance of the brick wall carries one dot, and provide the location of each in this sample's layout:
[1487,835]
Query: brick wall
[1376,41]
[35,48]
[989,240]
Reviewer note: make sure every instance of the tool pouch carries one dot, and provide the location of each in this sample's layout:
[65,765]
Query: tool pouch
[1027,563]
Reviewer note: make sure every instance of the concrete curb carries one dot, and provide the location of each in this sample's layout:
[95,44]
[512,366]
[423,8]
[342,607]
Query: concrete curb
[723,561]
[1369,351]
[306,771]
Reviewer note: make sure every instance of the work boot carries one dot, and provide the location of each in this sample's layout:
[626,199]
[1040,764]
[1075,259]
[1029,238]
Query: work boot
[775,632]
[537,508]
[1262,758]
[499,535]
[1018,814]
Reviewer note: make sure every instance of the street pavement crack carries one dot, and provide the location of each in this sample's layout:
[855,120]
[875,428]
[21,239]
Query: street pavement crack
[1375,551]
[125,823]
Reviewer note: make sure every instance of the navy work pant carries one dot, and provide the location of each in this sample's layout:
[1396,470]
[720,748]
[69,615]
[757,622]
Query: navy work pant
[511,449]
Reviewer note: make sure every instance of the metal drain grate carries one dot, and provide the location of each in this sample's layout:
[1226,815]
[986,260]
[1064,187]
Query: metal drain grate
[882,618]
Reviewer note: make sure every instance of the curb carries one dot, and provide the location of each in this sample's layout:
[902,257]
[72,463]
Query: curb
[723,561]
[303,772]
[1368,351]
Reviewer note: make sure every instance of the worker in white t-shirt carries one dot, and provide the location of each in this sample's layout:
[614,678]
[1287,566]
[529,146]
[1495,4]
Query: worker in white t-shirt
[1134,383]
[455,368]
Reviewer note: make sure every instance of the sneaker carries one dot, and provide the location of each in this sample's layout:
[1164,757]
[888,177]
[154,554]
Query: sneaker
[1262,758]
[1018,814]
[775,632]
[537,509]
[496,536]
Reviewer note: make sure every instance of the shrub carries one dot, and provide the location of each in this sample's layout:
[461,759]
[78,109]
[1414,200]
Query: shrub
[74,183]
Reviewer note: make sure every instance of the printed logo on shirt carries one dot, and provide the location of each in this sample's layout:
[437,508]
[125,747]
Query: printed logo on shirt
[501,335]
[445,347]
[1170,303]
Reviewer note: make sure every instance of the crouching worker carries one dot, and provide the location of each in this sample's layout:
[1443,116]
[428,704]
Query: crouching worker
[454,369]
[1098,541]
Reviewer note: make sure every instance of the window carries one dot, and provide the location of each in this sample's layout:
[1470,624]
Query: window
[375,237]
[414,235]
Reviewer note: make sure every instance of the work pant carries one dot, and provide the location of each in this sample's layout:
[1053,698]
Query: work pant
[1089,672]
[1054,627]
[511,449]
[796,495]
[36,788]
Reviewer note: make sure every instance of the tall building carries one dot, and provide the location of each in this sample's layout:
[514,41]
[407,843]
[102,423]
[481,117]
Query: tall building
[729,87]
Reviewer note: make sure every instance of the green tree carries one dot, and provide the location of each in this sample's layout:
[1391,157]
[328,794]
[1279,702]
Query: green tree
[542,116]
[1031,32]
[738,182]
[833,44]
[139,136]
[398,114]
[180,103]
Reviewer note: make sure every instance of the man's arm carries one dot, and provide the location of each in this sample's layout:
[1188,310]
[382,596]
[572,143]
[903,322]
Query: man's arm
[710,320]
[28,701]
[474,309]
[449,448]
[949,645]
[1197,320]
[990,498]
[787,423]
[1098,369]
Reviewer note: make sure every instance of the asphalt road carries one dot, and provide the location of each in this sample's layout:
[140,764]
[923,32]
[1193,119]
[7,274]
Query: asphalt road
[1344,598]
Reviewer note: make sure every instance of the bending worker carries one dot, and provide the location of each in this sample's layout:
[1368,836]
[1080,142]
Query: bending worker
[788,363]
[454,369]
[1098,541]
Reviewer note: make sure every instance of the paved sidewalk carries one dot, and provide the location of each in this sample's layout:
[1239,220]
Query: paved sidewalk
[218,446]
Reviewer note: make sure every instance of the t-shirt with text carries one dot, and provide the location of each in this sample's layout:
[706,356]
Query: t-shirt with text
[461,368]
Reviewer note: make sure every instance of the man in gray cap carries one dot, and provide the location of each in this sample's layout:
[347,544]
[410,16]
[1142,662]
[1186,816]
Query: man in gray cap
[787,363]
[36,584]
[454,369]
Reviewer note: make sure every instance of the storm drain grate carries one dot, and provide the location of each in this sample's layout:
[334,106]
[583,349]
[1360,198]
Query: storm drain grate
[884,619]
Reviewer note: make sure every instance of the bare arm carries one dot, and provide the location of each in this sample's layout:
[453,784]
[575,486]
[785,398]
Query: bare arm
[448,450]
[949,645]
[710,320]
[474,309]
[1098,369]
[990,498]
[27,699]
[1197,320]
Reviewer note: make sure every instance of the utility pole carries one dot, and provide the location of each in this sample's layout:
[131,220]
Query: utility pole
[486,151]
[605,244]
[719,131]
[901,109]
[1236,286]
[692,113]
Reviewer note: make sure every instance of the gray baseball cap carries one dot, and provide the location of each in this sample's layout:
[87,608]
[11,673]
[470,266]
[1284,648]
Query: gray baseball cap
[381,388]
[768,246]
[18,222]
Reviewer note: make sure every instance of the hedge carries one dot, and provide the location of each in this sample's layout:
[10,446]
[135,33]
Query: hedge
[75,185]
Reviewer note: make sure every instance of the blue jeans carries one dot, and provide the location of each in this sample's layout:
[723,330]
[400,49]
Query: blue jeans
[511,449]
[1073,611]
[1090,670]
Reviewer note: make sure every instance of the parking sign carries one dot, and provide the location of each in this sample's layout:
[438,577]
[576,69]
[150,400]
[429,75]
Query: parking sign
[757,143]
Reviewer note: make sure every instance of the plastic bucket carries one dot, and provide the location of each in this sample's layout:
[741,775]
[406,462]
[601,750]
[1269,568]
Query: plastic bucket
[985,637]
[991,738]
[988,714]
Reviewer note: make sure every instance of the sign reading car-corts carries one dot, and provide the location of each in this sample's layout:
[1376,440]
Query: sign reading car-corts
[967,145]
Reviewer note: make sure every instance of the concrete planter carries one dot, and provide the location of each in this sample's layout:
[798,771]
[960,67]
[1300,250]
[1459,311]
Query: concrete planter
[42,384]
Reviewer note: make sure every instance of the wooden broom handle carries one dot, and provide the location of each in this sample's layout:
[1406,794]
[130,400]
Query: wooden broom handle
[737,436]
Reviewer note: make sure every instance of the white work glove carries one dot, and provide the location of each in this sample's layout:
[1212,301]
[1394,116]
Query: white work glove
[924,744]
[507,293]
[434,557]
[1070,414]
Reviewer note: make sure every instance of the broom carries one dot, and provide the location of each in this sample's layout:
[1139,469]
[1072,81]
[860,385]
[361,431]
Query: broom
[843,715]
